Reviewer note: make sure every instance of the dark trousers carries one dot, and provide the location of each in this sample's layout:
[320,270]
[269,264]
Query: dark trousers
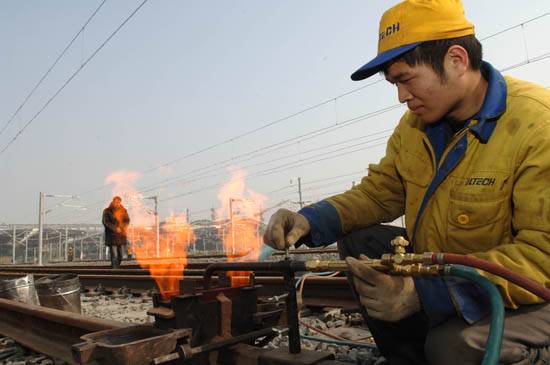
[400,342]
[116,253]
[526,337]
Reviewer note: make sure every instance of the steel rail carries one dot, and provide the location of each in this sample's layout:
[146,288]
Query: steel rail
[319,291]
[48,331]
[147,261]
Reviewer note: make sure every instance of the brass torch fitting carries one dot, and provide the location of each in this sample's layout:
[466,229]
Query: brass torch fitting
[341,265]
[416,269]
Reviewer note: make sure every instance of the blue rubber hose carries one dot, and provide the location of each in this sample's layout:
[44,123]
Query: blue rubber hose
[496,329]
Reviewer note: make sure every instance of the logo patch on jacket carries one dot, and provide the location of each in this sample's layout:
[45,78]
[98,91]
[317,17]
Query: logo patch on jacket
[485,181]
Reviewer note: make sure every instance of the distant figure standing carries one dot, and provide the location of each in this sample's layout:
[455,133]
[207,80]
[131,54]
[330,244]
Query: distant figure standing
[116,221]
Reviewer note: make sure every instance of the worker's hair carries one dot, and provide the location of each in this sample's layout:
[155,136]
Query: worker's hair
[432,53]
[117,198]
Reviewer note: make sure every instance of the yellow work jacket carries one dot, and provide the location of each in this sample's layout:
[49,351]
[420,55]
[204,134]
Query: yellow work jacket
[486,193]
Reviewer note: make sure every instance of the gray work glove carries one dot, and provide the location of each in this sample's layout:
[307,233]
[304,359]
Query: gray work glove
[285,228]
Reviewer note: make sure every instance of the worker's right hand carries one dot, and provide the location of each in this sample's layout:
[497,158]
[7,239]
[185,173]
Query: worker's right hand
[118,230]
[285,228]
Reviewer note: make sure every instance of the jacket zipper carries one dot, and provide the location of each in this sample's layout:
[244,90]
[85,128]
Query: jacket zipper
[437,165]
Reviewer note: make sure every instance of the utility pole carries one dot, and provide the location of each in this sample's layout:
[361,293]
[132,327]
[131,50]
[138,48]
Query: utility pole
[42,213]
[300,201]
[101,250]
[66,243]
[157,225]
[13,242]
[40,225]
[232,225]
[49,246]
[155,199]
[59,246]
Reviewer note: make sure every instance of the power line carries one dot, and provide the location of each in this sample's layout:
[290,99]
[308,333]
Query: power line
[183,180]
[202,177]
[72,77]
[515,26]
[277,121]
[528,61]
[232,139]
[262,127]
[268,172]
[276,170]
[297,113]
[316,181]
[51,68]
[308,136]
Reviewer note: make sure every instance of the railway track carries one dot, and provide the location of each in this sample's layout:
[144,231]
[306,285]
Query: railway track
[48,331]
[52,332]
[317,291]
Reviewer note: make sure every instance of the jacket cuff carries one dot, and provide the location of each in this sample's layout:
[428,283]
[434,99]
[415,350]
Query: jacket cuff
[472,300]
[324,224]
[443,298]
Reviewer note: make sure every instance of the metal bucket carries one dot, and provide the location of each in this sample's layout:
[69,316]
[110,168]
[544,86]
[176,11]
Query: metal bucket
[19,289]
[59,291]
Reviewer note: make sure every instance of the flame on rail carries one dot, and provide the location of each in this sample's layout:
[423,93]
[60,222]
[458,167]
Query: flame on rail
[241,216]
[174,236]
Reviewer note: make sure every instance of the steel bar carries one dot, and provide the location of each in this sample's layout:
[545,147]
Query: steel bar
[48,331]
[275,266]
[294,345]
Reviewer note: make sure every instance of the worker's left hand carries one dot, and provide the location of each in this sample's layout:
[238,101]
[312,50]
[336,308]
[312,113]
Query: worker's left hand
[385,297]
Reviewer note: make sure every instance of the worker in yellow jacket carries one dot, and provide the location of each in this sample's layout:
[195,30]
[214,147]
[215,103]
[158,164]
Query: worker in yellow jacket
[469,167]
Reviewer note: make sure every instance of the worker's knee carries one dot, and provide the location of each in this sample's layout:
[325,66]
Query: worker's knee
[455,342]
[372,241]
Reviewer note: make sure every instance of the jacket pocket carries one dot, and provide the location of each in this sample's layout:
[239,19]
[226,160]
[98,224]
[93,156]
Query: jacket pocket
[476,222]
[414,168]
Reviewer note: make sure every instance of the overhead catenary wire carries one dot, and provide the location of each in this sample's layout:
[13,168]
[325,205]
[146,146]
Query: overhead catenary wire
[306,136]
[233,139]
[272,170]
[302,111]
[194,212]
[515,26]
[528,61]
[281,168]
[281,145]
[8,122]
[210,187]
[319,105]
[253,175]
[536,59]
[261,163]
[73,75]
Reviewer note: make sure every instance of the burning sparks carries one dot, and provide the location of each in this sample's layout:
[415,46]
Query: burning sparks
[241,231]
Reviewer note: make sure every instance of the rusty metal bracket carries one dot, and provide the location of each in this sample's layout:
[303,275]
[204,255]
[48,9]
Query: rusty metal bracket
[226,312]
[46,330]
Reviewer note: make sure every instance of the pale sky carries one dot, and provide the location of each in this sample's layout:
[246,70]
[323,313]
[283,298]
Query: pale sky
[185,75]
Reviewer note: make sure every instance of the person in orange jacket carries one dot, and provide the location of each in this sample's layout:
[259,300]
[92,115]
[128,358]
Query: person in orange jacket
[115,219]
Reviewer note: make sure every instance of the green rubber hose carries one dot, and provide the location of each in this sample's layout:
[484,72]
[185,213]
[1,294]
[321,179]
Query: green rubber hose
[494,340]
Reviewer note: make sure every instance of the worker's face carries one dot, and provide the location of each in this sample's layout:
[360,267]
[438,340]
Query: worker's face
[426,94]
[117,203]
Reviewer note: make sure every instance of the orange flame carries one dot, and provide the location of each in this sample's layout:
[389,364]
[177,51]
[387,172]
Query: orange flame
[241,231]
[174,237]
